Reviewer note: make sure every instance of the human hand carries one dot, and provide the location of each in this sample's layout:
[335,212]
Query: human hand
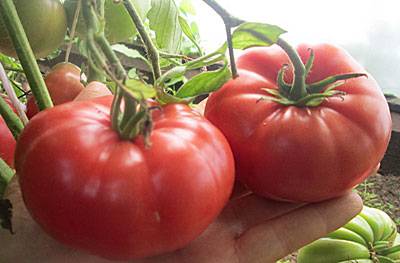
[249,229]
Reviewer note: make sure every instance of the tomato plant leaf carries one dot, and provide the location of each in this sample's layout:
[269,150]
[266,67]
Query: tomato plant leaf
[255,34]
[129,52]
[143,7]
[187,7]
[164,21]
[204,83]
[139,89]
[187,30]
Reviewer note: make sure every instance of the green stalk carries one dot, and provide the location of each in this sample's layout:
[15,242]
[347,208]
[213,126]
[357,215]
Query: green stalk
[12,120]
[6,174]
[299,89]
[25,54]
[111,56]
[151,49]
[230,22]
[127,123]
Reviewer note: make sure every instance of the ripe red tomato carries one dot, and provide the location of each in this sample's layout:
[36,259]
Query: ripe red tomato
[63,83]
[91,190]
[7,142]
[44,22]
[301,153]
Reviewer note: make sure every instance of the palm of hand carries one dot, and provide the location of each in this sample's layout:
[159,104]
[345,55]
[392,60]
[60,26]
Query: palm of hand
[250,229]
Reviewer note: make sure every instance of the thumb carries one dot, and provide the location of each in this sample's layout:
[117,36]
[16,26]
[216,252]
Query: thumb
[93,90]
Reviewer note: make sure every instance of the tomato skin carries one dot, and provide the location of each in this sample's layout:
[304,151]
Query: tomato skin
[118,199]
[304,154]
[63,83]
[45,24]
[7,141]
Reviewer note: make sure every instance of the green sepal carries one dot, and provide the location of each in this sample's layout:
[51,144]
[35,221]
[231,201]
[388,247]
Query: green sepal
[321,85]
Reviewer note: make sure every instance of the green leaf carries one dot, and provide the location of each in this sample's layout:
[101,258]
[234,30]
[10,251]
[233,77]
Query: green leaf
[187,30]
[129,52]
[187,7]
[204,83]
[139,89]
[143,7]
[164,21]
[255,34]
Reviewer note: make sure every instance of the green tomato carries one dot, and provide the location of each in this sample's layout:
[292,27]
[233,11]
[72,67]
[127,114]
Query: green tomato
[119,25]
[369,237]
[45,25]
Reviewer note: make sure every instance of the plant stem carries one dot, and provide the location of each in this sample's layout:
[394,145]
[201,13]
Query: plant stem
[230,22]
[73,29]
[151,49]
[25,54]
[231,51]
[6,174]
[111,56]
[13,122]
[298,89]
[12,96]
[225,15]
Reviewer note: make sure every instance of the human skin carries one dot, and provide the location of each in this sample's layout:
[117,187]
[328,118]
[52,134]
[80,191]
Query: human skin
[250,229]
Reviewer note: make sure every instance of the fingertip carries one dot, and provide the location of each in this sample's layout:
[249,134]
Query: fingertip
[93,90]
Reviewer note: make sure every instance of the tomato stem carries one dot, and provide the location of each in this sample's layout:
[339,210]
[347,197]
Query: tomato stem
[6,174]
[116,110]
[111,56]
[130,110]
[126,120]
[230,22]
[12,120]
[151,49]
[298,89]
[73,30]
[25,54]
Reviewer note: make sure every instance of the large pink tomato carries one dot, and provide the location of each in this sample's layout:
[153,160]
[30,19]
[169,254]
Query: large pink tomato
[118,199]
[301,153]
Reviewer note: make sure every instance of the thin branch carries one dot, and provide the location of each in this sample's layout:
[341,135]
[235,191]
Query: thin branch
[151,49]
[73,30]
[12,96]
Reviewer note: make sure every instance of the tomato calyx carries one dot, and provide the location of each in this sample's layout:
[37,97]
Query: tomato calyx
[131,117]
[299,93]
